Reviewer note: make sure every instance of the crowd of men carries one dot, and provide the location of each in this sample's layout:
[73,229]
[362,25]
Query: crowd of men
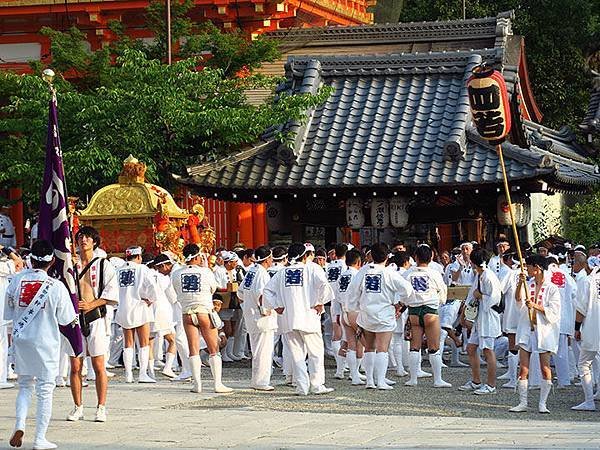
[376,310]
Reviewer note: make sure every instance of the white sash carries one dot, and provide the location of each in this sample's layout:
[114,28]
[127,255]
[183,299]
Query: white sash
[36,304]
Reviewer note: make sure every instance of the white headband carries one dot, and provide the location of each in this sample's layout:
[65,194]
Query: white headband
[46,258]
[280,258]
[309,247]
[189,257]
[265,258]
[295,259]
[133,251]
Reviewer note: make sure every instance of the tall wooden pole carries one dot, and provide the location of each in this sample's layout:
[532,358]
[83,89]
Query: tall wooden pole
[514,228]
[169,50]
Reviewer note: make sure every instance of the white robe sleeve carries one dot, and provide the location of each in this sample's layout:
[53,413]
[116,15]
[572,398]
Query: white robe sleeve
[490,291]
[322,292]
[583,296]
[149,289]
[441,287]
[402,288]
[261,280]
[65,312]
[110,291]
[271,297]
[9,303]
[552,305]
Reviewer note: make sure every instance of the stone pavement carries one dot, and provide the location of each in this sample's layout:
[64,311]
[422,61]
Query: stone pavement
[167,415]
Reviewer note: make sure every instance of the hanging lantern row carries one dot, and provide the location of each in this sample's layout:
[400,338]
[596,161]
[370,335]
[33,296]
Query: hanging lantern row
[384,213]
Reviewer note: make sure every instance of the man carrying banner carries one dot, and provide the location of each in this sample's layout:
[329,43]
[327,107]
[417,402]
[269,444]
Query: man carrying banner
[98,287]
[37,304]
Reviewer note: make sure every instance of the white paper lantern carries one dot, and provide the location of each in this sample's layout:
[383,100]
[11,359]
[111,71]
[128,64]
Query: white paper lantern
[521,209]
[399,212]
[275,216]
[380,213]
[355,217]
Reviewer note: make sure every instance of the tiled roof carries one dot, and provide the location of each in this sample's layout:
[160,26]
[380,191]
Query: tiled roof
[591,122]
[399,121]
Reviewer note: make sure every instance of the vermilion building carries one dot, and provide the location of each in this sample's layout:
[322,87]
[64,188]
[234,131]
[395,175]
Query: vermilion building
[20,42]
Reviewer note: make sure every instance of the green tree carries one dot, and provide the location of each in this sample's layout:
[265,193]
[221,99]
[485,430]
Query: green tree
[561,39]
[123,99]
[582,226]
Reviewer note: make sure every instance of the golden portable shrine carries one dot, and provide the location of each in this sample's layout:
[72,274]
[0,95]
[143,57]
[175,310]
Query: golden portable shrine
[134,212]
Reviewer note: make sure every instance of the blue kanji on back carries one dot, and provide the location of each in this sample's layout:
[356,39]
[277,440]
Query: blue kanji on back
[344,282]
[373,283]
[249,279]
[126,277]
[294,277]
[420,283]
[333,274]
[190,282]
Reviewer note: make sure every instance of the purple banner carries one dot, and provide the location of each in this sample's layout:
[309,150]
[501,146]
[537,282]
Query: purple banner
[54,221]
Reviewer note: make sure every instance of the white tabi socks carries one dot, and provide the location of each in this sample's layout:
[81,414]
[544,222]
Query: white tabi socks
[513,365]
[144,356]
[522,386]
[195,366]
[588,391]
[353,364]
[340,361]
[168,369]
[420,372]
[369,365]
[228,350]
[151,368]
[435,359]
[381,366]
[216,367]
[545,388]
[128,363]
[413,365]
[397,350]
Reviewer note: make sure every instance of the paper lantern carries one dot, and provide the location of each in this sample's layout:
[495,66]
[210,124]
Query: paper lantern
[399,212]
[380,213]
[355,217]
[274,216]
[521,210]
[489,102]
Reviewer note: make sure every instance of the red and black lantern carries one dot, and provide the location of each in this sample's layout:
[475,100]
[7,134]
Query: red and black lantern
[489,103]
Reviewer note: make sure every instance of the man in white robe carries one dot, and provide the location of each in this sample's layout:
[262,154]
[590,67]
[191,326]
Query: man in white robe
[45,301]
[137,292]
[7,229]
[299,292]
[587,332]
[333,271]
[261,322]
[10,263]
[279,262]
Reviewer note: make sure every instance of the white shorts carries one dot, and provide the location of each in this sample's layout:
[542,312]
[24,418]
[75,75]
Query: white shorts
[482,342]
[529,343]
[96,344]
[448,313]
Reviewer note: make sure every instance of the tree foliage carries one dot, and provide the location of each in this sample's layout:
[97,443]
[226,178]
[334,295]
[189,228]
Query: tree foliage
[561,38]
[124,99]
[582,226]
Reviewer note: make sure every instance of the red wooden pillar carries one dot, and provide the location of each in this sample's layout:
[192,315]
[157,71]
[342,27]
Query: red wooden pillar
[259,224]
[17,214]
[241,224]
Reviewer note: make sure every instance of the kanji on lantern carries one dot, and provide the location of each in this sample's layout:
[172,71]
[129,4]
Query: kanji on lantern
[489,104]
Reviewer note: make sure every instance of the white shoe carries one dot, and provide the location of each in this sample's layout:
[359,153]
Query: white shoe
[458,364]
[75,414]
[44,445]
[390,382]
[442,384]
[110,374]
[401,373]
[585,406]
[11,375]
[225,357]
[183,376]
[129,377]
[485,389]
[100,414]
[505,376]
[60,382]
[321,390]
[6,385]
[510,385]
[519,408]
[410,383]
[222,389]
[108,366]
[339,376]
[469,386]
[169,373]
[542,409]
[423,374]
[385,387]
[263,388]
[359,383]
[145,378]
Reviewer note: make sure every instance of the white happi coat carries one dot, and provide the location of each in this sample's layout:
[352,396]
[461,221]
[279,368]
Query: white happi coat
[162,307]
[7,270]
[487,323]
[298,288]
[221,276]
[378,289]
[250,292]
[7,237]
[276,267]
[136,284]
[495,265]
[466,277]
[568,296]
[512,308]
[547,329]
[437,267]
[428,287]
[588,304]
[349,302]
[37,349]
[333,271]
[194,286]
[110,289]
